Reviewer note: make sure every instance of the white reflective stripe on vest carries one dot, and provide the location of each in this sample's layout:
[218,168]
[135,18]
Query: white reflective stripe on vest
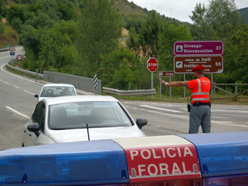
[200,99]
[199,85]
[201,93]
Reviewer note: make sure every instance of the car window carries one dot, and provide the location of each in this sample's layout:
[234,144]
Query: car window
[57,91]
[95,114]
[39,115]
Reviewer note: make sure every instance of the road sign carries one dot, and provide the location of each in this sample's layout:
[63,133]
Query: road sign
[12,53]
[12,48]
[166,73]
[152,64]
[19,57]
[198,48]
[185,64]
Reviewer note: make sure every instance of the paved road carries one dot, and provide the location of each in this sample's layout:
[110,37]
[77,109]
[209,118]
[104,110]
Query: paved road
[173,118]
[17,103]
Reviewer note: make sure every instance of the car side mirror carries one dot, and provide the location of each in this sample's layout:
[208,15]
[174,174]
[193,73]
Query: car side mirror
[34,127]
[36,96]
[141,122]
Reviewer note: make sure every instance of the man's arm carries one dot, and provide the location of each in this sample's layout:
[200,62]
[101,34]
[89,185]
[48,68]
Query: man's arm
[173,83]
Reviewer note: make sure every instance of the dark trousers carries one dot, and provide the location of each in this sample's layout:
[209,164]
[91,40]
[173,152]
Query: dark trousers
[200,116]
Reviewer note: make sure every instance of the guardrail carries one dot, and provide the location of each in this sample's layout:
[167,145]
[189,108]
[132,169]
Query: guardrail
[35,74]
[235,94]
[3,49]
[81,82]
[129,92]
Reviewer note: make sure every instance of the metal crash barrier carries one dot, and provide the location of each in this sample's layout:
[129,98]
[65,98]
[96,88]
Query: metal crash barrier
[182,160]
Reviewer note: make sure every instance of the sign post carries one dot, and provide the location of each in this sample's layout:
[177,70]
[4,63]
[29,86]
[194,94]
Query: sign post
[12,51]
[19,57]
[152,66]
[165,74]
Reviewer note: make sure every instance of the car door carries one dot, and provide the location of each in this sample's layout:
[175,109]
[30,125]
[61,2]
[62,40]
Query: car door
[38,116]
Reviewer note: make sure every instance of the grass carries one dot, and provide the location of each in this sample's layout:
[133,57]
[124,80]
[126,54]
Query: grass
[22,73]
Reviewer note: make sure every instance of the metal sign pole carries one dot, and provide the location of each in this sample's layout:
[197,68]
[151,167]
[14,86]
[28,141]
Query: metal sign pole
[152,81]
[212,83]
[160,89]
[170,87]
[184,76]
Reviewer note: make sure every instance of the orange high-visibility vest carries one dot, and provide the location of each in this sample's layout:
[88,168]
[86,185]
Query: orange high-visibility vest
[200,89]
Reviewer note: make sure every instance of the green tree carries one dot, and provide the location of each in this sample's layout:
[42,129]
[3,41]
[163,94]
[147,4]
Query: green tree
[67,9]
[218,21]
[133,42]
[51,8]
[15,11]
[223,17]
[235,58]
[100,27]
[57,50]
[2,28]
[149,34]
[120,69]
[171,33]
[134,21]
[30,39]
[201,29]
[40,20]
[16,24]
[3,8]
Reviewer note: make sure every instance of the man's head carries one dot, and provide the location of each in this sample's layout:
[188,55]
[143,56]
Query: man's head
[198,70]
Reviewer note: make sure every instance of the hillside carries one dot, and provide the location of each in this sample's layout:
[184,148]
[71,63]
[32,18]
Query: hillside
[244,13]
[131,12]
[127,8]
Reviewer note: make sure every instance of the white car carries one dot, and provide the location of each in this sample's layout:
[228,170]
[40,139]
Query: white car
[80,118]
[56,89]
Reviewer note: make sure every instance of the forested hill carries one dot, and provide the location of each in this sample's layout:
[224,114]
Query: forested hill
[129,9]
[244,13]
[83,37]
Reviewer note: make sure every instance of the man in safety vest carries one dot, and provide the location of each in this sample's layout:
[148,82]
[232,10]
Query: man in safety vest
[200,112]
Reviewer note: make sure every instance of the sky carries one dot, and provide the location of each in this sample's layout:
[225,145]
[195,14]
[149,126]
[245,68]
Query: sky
[178,9]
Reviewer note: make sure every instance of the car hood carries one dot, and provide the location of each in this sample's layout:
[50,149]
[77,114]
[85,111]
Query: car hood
[73,135]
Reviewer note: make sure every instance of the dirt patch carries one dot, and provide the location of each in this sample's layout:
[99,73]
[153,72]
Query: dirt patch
[4,20]
[125,32]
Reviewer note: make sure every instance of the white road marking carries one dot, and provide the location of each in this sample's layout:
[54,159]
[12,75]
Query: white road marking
[225,123]
[18,76]
[29,92]
[228,124]
[16,87]
[15,111]
[19,88]
[5,82]
[162,109]
[238,111]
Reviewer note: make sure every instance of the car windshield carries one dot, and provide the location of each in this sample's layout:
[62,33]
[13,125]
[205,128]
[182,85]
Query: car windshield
[92,114]
[57,91]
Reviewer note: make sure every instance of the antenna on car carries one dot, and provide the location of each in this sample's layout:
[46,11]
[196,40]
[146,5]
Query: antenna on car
[87,127]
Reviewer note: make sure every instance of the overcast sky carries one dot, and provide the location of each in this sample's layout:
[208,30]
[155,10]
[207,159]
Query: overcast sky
[178,9]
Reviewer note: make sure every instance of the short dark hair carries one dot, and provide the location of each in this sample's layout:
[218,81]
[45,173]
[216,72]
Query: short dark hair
[199,71]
